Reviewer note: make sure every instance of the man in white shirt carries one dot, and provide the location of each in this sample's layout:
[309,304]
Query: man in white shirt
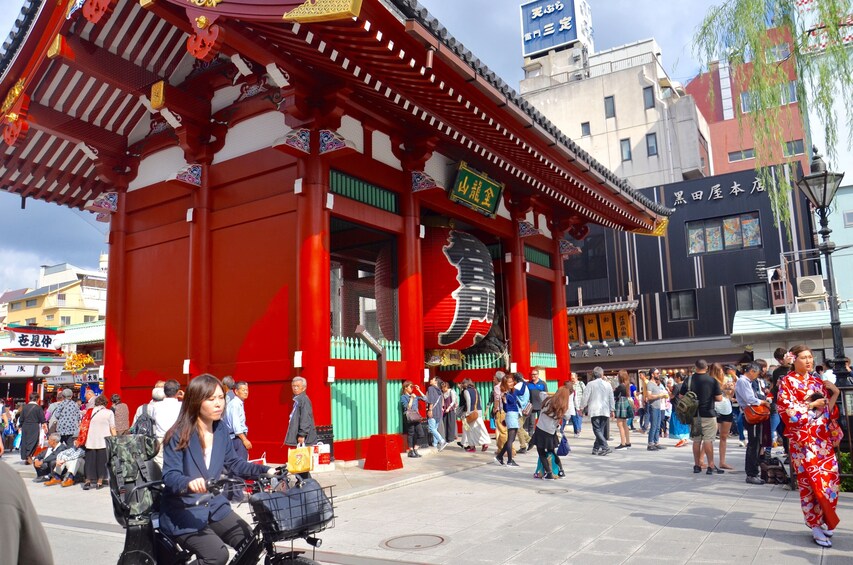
[165,414]
[598,400]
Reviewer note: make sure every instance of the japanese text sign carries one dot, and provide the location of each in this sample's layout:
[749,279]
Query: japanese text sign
[546,25]
[476,191]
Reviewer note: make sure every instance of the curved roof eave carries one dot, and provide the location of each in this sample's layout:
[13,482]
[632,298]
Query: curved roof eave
[413,9]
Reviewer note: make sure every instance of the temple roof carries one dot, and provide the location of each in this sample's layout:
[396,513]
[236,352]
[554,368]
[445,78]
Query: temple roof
[90,117]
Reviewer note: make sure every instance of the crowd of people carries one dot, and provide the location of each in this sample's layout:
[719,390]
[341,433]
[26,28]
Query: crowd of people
[788,406]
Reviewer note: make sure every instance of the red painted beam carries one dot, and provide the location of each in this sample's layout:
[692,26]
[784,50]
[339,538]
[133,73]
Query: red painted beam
[75,130]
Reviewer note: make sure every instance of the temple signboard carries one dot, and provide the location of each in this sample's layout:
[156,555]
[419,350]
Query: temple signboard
[476,191]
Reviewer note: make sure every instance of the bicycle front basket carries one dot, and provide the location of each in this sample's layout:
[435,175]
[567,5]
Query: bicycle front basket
[295,512]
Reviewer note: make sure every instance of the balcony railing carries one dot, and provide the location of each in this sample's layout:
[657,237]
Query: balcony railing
[478,361]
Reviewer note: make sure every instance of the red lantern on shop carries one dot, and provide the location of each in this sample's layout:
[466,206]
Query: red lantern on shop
[459,289]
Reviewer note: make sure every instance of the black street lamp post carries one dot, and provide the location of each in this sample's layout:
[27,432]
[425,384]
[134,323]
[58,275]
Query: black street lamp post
[819,187]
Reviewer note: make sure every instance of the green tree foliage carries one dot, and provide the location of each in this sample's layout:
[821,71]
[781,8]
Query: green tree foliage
[736,31]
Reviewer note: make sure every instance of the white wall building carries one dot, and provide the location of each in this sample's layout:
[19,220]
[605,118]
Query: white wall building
[621,107]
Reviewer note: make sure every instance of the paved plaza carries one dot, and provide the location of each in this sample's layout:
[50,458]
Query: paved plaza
[632,506]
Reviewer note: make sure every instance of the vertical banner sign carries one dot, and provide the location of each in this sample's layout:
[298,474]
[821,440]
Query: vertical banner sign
[623,325]
[606,322]
[547,25]
[590,327]
[573,329]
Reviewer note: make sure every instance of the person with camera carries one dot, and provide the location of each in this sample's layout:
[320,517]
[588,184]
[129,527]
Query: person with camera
[807,406]
[198,449]
[746,396]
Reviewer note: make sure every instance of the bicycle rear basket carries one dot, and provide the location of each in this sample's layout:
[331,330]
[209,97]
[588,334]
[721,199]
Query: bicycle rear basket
[294,513]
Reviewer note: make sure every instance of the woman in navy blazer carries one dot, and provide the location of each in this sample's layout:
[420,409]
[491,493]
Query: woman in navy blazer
[197,448]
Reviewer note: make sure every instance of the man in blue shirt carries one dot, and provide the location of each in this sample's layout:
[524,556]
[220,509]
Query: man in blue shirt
[235,419]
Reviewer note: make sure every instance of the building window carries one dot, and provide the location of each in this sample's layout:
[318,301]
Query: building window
[742,155]
[30,321]
[778,53]
[625,146]
[848,219]
[49,317]
[791,148]
[32,303]
[789,93]
[682,305]
[649,97]
[585,129]
[97,355]
[609,107]
[87,319]
[752,296]
[65,320]
[652,144]
[745,103]
[742,231]
[16,306]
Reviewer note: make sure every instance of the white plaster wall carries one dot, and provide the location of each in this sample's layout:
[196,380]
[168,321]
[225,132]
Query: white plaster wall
[252,135]
[382,150]
[353,131]
[441,169]
[158,167]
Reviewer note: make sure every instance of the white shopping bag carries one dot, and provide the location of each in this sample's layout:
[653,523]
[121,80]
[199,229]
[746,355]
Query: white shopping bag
[322,455]
[262,460]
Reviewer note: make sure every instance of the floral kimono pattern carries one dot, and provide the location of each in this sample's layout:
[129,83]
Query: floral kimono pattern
[812,433]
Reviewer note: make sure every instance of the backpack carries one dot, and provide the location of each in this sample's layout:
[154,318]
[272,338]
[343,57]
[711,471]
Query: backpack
[144,424]
[688,405]
[129,462]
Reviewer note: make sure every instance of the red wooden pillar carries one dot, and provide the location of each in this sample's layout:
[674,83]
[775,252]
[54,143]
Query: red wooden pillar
[29,389]
[116,285]
[411,287]
[199,299]
[519,322]
[313,287]
[559,319]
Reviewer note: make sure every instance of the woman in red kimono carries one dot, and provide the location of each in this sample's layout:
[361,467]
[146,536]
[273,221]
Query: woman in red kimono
[807,406]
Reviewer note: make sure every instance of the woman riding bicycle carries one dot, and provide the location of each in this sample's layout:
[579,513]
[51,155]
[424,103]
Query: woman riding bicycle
[196,449]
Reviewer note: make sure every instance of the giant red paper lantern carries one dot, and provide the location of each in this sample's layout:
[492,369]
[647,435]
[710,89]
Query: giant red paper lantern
[458,287]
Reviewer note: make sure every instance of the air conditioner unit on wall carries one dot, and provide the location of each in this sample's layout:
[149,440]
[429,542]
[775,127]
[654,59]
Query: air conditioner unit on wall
[810,286]
[809,306]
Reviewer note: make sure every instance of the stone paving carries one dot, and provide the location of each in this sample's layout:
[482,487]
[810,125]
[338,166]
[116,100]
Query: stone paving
[632,506]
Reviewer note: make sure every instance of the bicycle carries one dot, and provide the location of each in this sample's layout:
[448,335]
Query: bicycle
[283,507]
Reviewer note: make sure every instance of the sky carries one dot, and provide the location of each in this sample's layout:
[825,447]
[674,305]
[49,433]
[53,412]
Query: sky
[47,234]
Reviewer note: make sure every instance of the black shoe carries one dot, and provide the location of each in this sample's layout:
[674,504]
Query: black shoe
[605,451]
[595,451]
[697,469]
[41,479]
[712,470]
[511,464]
[521,450]
[659,446]
[652,448]
[87,486]
[550,477]
[621,446]
[561,473]
[413,455]
[459,443]
[754,480]
[499,460]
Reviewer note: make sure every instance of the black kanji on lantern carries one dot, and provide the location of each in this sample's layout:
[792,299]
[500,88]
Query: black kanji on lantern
[475,297]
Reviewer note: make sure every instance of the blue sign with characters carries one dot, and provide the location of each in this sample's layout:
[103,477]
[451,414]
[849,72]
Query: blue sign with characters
[546,25]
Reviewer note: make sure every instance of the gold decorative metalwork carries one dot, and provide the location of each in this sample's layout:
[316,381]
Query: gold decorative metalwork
[324,11]
[158,95]
[55,47]
[205,3]
[658,231]
[12,117]
[13,95]
[146,3]
[202,22]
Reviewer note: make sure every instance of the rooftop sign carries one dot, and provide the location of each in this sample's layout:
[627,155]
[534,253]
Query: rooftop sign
[551,24]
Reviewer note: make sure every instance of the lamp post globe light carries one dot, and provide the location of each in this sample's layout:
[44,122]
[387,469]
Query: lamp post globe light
[820,186]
